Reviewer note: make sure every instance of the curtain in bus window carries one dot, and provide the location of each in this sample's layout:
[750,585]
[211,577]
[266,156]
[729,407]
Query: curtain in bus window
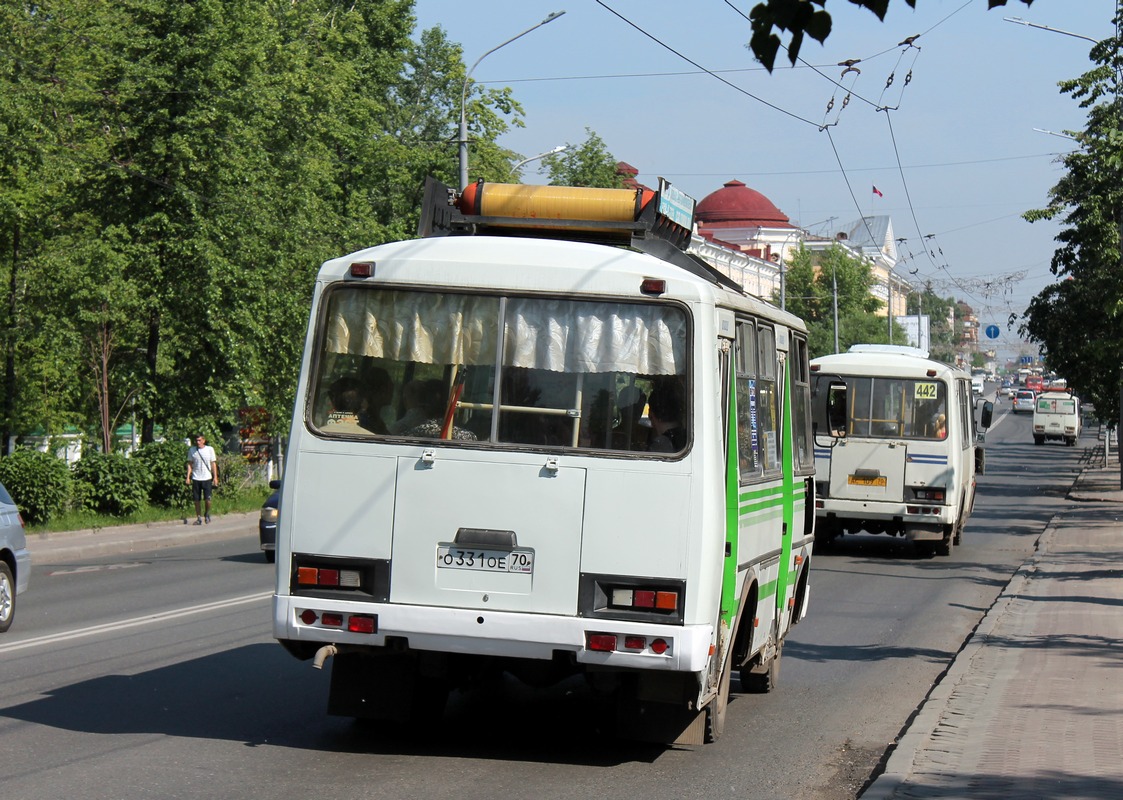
[592,337]
[423,327]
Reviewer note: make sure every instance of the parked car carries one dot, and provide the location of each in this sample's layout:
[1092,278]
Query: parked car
[267,524]
[1023,400]
[15,560]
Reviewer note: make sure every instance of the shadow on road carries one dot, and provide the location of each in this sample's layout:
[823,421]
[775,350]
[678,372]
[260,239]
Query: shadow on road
[259,695]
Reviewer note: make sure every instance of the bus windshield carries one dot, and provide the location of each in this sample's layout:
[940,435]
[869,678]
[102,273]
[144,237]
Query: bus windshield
[897,408]
[530,371]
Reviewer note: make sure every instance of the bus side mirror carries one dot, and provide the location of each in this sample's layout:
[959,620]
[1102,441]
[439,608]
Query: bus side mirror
[836,409]
[987,415]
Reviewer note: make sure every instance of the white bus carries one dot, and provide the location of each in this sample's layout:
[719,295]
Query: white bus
[513,451]
[907,464]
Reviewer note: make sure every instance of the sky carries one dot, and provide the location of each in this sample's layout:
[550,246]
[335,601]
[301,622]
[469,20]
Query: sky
[965,141]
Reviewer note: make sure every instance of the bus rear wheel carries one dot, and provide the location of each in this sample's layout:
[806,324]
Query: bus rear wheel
[718,706]
[764,678]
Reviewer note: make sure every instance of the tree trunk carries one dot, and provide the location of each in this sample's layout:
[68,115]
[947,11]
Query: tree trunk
[10,349]
[148,426]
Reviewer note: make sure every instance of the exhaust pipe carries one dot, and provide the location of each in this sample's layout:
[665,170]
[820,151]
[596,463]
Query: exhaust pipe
[323,654]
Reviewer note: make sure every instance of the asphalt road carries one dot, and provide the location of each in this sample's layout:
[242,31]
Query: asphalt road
[155,675]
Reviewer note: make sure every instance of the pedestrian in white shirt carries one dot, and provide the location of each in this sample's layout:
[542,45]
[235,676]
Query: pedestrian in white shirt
[202,476]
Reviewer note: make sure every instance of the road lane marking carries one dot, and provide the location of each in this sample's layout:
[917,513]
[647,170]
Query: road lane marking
[135,622]
[97,568]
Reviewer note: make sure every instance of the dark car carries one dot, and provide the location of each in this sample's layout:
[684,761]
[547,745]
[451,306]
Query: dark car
[267,524]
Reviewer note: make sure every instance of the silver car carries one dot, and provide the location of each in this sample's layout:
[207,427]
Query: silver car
[15,560]
[1023,400]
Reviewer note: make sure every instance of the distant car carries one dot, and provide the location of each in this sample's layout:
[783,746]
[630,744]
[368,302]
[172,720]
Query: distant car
[15,559]
[1023,400]
[1011,390]
[267,524]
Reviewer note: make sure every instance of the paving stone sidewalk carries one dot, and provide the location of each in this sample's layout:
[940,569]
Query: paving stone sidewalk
[1032,707]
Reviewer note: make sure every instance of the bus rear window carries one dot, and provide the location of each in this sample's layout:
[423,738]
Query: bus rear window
[506,370]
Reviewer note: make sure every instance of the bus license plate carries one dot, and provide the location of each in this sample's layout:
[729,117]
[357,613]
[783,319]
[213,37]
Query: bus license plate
[861,480]
[452,557]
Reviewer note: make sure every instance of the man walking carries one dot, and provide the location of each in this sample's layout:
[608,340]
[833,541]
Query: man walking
[202,475]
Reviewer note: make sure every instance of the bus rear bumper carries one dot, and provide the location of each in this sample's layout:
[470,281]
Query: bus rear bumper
[916,521]
[314,621]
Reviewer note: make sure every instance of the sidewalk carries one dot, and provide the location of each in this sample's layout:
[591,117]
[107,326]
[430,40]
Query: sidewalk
[1032,706]
[60,548]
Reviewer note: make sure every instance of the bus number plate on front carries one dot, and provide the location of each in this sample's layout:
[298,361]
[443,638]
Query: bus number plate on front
[453,557]
[863,480]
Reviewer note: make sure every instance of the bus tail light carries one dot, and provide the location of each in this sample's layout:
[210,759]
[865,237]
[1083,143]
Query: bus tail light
[328,577]
[931,494]
[629,597]
[355,623]
[602,642]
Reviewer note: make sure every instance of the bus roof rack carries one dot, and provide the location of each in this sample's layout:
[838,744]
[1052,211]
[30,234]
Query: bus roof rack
[896,349]
[657,223]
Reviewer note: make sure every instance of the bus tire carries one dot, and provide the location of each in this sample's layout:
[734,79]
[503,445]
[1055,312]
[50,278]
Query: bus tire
[765,678]
[1039,440]
[717,707]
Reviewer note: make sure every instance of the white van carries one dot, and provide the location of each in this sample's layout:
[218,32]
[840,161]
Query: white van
[1056,415]
[907,464]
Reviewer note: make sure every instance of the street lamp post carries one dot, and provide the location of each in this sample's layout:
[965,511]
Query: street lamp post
[1021,21]
[463,137]
[561,148]
[834,285]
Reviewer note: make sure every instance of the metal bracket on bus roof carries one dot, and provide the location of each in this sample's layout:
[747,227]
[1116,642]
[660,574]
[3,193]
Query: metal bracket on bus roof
[639,218]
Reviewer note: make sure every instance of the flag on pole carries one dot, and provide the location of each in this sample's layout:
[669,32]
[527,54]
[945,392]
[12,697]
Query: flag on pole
[877,192]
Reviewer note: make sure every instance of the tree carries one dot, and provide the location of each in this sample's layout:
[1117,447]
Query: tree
[941,328]
[800,17]
[810,280]
[585,164]
[173,174]
[1078,320]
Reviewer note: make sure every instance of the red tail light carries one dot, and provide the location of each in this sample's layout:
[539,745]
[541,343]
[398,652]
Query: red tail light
[602,642]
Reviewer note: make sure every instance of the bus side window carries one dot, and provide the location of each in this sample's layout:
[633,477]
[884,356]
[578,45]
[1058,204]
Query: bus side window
[748,433]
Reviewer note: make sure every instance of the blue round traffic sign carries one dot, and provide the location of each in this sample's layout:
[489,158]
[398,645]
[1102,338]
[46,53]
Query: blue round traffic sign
[992,331]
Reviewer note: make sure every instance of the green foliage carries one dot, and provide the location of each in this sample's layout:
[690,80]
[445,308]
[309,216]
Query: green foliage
[1078,320]
[112,483]
[585,164]
[235,474]
[188,166]
[800,17]
[810,281]
[38,482]
[166,463]
[941,327]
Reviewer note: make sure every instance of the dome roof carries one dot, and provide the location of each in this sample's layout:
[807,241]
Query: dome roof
[736,205]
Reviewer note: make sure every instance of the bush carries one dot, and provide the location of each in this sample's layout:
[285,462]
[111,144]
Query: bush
[235,474]
[39,482]
[112,484]
[167,466]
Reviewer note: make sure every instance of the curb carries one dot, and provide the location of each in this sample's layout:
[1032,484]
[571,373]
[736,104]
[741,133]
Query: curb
[61,547]
[923,725]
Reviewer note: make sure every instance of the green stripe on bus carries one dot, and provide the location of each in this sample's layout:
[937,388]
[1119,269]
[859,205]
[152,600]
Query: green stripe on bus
[729,599]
